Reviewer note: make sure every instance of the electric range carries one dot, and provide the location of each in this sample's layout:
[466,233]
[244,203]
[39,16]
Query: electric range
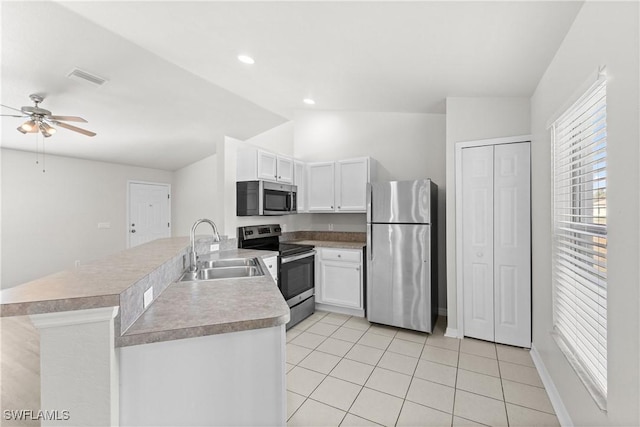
[296,267]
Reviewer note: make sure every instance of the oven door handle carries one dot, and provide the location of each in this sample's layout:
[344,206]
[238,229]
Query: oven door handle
[285,260]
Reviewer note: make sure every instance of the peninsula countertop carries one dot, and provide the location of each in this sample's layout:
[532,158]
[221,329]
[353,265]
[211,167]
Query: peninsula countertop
[181,310]
[192,309]
[92,285]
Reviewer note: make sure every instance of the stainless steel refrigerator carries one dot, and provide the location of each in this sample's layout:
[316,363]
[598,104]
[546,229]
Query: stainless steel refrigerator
[402,280]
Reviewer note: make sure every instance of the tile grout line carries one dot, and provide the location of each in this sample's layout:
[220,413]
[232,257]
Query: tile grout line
[302,367]
[374,368]
[504,398]
[328,375]
[404,400]
[455,385]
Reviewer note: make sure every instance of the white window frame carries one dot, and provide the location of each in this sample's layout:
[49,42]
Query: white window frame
[579,235]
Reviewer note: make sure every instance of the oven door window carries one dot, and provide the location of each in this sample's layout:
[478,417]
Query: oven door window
[276,201]
[296,276]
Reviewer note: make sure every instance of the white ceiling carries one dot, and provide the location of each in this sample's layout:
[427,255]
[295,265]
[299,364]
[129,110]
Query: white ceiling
[175,85]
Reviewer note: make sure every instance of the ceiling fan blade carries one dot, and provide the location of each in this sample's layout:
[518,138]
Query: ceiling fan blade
[68,118]
[74,128]
[11,115]
[11,108]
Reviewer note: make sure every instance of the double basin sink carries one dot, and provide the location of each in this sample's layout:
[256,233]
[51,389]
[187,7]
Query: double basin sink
[224,269]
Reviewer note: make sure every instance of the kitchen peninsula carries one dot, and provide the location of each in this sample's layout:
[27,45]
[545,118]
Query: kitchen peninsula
[198,353]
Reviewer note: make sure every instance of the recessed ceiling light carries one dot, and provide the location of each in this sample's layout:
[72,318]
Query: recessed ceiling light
[309,101]
[246,59]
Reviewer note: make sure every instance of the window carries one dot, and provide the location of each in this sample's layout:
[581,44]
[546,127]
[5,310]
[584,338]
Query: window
[580,237]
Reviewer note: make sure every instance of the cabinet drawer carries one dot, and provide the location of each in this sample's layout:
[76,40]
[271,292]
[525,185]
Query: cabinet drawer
[341,255]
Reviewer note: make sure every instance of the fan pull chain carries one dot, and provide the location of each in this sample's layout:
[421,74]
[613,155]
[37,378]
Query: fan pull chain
[38,138]
[37,145]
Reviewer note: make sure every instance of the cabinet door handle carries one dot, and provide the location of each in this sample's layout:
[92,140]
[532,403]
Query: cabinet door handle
[339,256]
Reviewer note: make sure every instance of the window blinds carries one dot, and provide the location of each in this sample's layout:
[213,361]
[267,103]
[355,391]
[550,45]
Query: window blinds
[580,236]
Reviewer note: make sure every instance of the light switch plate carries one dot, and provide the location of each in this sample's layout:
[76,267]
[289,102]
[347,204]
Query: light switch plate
[147,297]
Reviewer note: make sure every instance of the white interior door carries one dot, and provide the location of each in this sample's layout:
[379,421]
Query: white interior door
[149,212]
[477,226]
[512,244]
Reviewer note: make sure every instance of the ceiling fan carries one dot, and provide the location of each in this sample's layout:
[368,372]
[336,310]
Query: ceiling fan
[41,120]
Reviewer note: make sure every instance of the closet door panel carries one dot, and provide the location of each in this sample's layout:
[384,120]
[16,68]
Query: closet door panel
[477,224]
[512,244]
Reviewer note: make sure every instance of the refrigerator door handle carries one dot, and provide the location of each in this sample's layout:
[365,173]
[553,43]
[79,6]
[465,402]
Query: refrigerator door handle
[369,241]
[369,196]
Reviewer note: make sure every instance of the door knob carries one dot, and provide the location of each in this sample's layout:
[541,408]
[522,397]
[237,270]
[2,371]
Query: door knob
[133,231]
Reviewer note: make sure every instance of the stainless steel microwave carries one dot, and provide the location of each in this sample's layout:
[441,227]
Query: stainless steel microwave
[265,198]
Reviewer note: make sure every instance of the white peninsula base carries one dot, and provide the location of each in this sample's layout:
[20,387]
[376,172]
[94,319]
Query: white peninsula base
[235,378]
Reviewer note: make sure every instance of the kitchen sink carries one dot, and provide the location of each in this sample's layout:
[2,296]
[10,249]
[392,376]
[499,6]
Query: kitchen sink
[224,269]
[233,262]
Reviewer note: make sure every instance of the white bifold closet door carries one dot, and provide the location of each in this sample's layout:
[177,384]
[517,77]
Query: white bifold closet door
[496,228]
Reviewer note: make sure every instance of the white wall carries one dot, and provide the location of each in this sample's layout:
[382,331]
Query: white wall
[471,119]
[49,220]
[604,33]
[405,146]
[195,195]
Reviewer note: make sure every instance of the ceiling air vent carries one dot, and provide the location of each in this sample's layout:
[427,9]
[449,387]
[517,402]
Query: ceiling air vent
[86,77]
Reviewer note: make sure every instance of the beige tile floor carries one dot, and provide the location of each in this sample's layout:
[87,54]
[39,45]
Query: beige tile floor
[344,371]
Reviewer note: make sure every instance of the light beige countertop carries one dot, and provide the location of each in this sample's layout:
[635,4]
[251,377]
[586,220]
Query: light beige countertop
[191,309]
[331,244]
[96,284]
[180,310]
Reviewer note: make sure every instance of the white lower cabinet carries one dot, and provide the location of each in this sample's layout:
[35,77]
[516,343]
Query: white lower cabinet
[339,280]
[272,266]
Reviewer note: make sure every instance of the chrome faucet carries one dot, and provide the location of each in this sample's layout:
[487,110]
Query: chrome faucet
[194,266]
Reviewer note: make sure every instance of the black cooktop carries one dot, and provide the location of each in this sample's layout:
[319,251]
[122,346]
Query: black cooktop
[287,249]
[267,237]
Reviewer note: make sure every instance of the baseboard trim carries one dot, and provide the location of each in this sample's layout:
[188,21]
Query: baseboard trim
[341,310]
[552,391]
[451,333]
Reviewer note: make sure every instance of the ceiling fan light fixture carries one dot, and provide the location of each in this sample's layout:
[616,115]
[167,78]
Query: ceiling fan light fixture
[21,130]
[47,130]
[27,126]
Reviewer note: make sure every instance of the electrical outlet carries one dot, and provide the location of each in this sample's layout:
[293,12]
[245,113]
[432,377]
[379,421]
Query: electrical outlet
[77,263]
[104,225]
[284,227]
[214,247]
[147,297]
[330,227]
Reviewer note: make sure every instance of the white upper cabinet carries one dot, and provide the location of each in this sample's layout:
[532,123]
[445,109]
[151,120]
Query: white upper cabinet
[267,165]
[351,185]
[321,189]
[255,164]
[339,186]
[300,180]
[285,169]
